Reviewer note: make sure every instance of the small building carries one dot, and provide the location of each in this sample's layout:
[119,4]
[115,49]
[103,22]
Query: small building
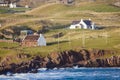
[2,3]
[26,32]
[82,24]
[33,40]
[66,1]
[12,5]
[26,6]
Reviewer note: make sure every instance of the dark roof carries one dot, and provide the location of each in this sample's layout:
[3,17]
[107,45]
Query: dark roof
[88,22]
[27,31]
[75,22]
[31,38]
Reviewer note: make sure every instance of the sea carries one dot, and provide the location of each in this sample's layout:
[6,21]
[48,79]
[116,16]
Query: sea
[74,73]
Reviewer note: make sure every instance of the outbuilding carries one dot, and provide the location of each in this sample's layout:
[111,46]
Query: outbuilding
[34,40]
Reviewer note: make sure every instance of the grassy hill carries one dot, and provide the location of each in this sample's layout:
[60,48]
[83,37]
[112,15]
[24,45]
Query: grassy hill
[72,39]
[57,17]
[66,13]
[84,6]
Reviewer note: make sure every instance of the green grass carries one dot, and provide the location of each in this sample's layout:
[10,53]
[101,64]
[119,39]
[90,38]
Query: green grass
[6,52]
[99,8]
[64,14]
[72,39]
[20,9]
[55,8]
[8,45]
[68,41]
[10,10]
[3,10]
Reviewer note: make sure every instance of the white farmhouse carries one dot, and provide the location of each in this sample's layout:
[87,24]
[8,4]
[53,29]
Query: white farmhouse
[34,40]
[82,24]
[2,3]
[26,6]
[12,5]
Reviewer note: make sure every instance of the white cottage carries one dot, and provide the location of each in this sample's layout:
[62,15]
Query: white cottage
[82,24]
[12,5]
[26,6]
[2,3]
[34,40]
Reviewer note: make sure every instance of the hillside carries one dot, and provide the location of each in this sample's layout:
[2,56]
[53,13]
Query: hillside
[37,3]
[59,15]
[56,17]
[93,46]
[31,3]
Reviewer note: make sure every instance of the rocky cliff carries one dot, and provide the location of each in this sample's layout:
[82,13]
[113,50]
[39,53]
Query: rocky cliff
[81,58]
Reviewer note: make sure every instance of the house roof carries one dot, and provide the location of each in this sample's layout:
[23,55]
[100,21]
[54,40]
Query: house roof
[88,22]
[31,38]
[75,22]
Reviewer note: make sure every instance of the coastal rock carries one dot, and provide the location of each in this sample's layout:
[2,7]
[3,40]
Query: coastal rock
[81,58]
[113,61]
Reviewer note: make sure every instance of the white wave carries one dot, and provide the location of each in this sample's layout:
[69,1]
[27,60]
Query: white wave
[60,74]
[55,68]
[75,67]
[42,69]
[116,76]
[62,68]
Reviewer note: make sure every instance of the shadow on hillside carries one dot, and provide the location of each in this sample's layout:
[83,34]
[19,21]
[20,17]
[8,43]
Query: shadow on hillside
[56,42]
[99,27]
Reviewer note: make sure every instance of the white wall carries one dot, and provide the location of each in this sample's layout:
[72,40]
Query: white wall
[12,5]
[74,26]
[41,41]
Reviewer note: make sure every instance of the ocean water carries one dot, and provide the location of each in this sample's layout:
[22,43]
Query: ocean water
[68,74]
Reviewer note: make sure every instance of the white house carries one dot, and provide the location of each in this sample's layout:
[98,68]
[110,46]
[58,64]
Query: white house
[34,40]
[12,5]
[26,6]
[82,24]
[41,41]
[2,3]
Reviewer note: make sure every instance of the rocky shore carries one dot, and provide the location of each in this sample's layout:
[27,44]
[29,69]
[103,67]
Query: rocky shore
[81,58]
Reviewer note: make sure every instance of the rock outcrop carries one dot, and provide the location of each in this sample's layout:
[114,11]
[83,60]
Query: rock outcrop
[82,58]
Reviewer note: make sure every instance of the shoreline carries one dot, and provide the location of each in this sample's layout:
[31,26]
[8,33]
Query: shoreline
[82,58]
[79,68]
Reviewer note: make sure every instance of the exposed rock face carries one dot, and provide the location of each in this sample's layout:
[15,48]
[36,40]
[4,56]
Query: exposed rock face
[82,58]
[113,61]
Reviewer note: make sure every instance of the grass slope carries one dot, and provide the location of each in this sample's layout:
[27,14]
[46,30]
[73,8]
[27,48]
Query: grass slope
[58,8]
[72,39]
[102,14]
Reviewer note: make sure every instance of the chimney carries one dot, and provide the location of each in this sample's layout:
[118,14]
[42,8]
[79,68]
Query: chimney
[81,20]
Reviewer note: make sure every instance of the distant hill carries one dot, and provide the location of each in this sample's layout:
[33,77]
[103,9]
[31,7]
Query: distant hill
[102,12]
[31,3]
[36,3]
[60,9]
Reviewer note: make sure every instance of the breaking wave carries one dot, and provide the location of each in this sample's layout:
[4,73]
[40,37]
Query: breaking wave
[74,73]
